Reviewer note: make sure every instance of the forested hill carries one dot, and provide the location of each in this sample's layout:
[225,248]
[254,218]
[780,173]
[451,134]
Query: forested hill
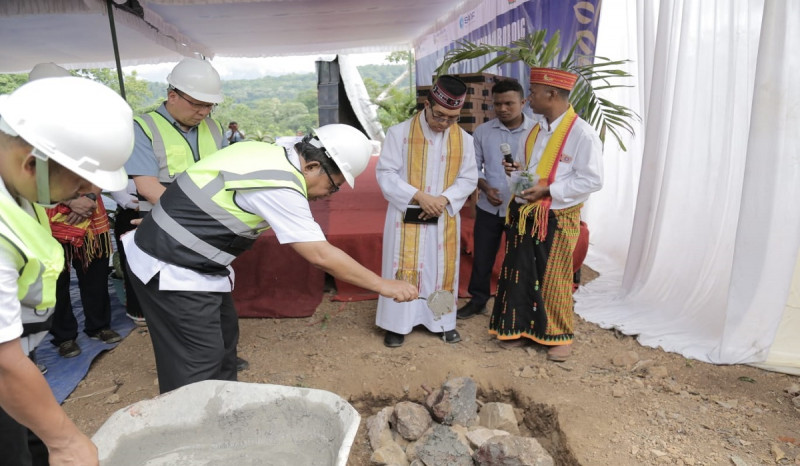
[279,105]
[265,108]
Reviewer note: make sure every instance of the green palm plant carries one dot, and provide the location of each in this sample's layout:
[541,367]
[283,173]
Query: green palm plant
[593,75]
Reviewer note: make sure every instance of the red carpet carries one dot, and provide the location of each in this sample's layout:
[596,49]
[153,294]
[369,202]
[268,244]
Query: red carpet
[273,281]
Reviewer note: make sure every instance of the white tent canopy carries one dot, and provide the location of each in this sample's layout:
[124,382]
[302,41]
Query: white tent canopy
[75,33]
[696,233]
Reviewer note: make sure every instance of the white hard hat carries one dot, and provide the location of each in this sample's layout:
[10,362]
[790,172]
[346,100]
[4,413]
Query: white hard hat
[47,70]
[198,79]
[81,124]
[348,147]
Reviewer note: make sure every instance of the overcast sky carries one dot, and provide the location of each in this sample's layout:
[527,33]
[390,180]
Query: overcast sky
[251,68]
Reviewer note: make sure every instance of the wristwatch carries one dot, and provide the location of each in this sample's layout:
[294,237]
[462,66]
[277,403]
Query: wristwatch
[91,196]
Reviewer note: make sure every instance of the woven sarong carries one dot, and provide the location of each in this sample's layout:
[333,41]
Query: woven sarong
[534,291]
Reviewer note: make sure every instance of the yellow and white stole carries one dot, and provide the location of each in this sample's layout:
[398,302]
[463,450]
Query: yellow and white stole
[417,164]
[546,169]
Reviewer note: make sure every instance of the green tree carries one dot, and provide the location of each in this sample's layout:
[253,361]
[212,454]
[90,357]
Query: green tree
[9,82]
[137,91]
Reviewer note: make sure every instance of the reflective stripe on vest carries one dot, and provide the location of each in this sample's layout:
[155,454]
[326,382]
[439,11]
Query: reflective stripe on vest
[197,223]
[173,153]
[39,258]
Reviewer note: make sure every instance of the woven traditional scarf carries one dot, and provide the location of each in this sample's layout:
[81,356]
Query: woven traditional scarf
[546,169]
[408,267]
[86,240]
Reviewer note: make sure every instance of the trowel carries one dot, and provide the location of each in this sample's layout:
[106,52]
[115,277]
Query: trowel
[440,302]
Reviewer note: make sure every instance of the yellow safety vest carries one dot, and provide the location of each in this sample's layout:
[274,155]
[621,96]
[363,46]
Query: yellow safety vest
[173,153]
[197,223]
[37,256]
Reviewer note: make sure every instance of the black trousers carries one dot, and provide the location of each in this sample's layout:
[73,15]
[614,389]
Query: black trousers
[18,445]
[194,333]
[93,286]
[122,225]
[488,234]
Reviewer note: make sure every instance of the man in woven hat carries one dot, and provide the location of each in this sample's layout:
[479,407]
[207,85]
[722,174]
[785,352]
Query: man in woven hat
[562,154]
[426,171]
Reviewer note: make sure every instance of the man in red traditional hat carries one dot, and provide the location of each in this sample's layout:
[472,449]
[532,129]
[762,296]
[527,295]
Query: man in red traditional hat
[561,154]
[426,171]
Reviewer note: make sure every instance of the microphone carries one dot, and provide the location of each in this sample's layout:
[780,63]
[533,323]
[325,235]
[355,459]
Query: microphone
[505,149]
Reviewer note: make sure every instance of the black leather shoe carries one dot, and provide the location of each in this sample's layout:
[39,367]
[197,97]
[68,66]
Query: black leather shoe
[69,349]
[452,336]
[470,310]
[393,340]
[106,336]
[241,364]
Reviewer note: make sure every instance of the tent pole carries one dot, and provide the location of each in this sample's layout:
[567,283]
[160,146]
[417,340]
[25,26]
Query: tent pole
[116,48]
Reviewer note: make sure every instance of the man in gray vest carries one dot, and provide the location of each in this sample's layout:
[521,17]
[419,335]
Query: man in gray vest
[177,134]
[180,256]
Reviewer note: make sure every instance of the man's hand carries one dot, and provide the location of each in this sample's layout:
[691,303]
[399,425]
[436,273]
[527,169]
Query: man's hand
[82,208]
[432,206]
[78,451]
[535,193]
[399,290]
[511,167]
[493,196]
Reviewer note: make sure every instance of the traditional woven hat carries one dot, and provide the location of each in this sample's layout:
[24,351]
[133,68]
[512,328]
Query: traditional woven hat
[449,92]
[553,77]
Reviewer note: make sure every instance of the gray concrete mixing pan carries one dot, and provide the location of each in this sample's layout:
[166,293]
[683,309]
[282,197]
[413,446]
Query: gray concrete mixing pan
[231,423]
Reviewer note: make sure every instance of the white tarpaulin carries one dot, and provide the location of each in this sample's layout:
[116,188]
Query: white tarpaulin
[75,33]
[698,247]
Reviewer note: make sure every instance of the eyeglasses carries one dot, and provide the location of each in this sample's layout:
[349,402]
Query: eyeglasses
[444,118]
[334,187]
[196,105]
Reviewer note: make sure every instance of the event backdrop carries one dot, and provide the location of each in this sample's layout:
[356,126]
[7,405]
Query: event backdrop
[500,22]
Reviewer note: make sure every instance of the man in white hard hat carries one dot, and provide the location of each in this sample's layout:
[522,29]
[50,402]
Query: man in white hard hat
[176,135]
[46,157]
[179,132]
[179,256]
[71,222]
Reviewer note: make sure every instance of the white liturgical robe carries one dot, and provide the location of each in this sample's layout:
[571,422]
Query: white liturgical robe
[392,175]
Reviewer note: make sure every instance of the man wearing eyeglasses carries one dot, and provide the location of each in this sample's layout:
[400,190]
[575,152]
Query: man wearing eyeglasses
[177,134]
[180,256]
[426,171]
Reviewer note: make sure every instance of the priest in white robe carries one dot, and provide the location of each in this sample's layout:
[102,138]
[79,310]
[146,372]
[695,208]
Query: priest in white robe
[426,171]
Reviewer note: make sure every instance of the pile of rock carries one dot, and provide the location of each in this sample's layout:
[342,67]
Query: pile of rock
[448,429]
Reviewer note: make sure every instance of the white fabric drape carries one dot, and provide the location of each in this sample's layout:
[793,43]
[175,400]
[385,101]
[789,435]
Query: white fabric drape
[695,233]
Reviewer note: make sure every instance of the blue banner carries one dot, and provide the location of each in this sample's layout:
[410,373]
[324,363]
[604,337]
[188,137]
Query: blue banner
[500,22]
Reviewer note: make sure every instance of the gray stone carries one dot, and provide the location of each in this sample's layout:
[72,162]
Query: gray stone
[411,420]
[378,430]
[462,431]
[389,454]
[499,416]
[512,450]
[480,435]
[440,446]
[455,402]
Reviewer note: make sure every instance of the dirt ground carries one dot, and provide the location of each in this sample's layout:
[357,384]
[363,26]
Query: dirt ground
[614,402]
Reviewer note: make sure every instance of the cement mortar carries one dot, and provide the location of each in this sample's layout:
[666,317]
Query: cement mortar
[280,431]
